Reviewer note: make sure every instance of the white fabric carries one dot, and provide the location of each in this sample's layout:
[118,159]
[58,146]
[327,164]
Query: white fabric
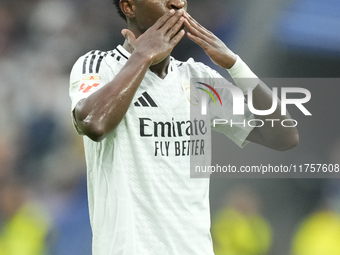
[141,197]
[244,78]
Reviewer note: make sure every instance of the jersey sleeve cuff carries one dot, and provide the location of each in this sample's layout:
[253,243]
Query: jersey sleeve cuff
[244,78]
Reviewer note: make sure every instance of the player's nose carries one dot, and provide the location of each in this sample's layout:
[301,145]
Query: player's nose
[177,4]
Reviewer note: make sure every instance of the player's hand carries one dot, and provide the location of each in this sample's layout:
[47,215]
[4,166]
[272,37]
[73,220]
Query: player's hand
[218,52]
[159,40]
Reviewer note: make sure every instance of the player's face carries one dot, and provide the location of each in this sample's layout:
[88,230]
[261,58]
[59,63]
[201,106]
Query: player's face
[149,11]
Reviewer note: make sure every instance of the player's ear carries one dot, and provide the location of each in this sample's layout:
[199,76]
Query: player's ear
[128,8]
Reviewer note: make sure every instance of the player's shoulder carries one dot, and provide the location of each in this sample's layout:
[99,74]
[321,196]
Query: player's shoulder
[188,63]
[195,67]
[95,60]
[91,61]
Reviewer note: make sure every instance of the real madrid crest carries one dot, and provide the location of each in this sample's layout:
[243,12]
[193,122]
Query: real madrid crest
[191,94]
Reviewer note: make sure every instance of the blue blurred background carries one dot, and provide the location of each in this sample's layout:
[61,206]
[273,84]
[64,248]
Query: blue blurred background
[43,200]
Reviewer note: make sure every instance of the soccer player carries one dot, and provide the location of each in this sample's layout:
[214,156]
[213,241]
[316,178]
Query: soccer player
[132,104]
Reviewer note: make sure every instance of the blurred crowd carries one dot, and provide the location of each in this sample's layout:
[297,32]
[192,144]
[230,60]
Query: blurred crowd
[43,199]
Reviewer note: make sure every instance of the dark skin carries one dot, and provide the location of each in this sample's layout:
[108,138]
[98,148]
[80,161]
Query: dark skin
[154,29]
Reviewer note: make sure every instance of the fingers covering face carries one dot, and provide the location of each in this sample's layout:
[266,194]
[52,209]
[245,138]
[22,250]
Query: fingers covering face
[162,20]
[175,28]
[173,23]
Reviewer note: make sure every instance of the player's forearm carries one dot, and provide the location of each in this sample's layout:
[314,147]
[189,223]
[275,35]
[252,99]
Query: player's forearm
[101,112]
[277,136]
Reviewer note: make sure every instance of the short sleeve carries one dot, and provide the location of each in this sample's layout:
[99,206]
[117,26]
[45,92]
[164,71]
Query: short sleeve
[89,74]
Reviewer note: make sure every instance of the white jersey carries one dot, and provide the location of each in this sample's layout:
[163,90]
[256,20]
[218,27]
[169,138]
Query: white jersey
[141,197]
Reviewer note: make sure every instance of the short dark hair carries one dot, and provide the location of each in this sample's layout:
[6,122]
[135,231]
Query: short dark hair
[121,14]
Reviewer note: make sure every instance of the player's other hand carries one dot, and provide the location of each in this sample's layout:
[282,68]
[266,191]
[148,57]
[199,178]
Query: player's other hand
[156,43]
[218,52]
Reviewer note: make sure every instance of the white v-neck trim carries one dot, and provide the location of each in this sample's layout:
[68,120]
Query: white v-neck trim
[171,68]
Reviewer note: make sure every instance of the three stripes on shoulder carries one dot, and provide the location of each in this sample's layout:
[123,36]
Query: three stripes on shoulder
[94,58]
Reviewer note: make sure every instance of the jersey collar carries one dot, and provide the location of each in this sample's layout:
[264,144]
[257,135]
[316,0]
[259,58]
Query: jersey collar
[123,51]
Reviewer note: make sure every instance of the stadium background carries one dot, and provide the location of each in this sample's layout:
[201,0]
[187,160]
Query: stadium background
[42,172]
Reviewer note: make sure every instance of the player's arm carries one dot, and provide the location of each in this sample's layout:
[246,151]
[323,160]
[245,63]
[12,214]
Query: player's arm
[277,137]
[101,112]
[272,136]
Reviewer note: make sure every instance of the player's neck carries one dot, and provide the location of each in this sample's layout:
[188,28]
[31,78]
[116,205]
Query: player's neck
[161,69]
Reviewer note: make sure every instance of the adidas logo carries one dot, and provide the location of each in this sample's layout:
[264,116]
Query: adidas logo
[145,101]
